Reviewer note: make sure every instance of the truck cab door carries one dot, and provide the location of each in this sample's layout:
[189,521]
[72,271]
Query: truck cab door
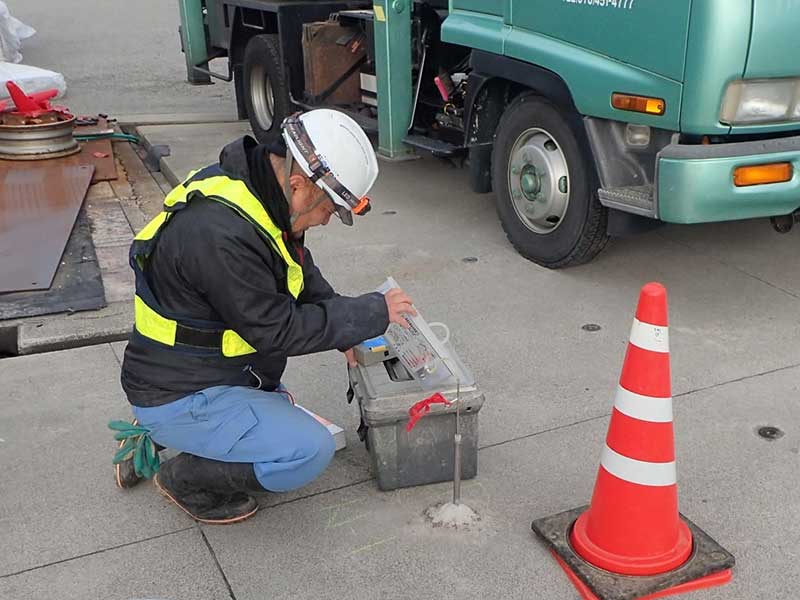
[649,34]
[498,8]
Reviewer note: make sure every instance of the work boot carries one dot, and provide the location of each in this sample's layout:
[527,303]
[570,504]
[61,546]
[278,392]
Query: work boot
[124,472]
[125,475]
[209,491]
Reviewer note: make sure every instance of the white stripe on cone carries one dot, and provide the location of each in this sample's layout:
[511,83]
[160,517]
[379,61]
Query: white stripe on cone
[643,408]
[638,471]
[650,337]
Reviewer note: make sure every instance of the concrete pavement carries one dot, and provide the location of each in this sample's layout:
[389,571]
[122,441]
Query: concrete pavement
[549,384]
[193,144]
[66,527]
[118,57]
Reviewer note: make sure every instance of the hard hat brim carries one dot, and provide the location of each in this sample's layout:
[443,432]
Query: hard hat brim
[343,210]
[344,214]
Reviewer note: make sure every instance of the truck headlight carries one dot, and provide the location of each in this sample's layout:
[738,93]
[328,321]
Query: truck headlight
[757,101]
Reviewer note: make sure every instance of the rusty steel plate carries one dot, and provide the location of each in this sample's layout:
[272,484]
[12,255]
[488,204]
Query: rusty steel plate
[38,207]
[100,154]
[105,169]
[77,286]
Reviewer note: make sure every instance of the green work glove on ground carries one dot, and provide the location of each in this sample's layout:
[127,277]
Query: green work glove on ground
[137,445]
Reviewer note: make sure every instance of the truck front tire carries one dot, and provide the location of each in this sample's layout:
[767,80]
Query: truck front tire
[546,186]
[266,90]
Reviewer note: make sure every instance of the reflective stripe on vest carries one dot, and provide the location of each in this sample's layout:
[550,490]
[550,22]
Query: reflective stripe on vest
[234,194]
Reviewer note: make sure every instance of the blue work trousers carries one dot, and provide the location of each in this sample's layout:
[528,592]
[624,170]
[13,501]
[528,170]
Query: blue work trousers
[288,447]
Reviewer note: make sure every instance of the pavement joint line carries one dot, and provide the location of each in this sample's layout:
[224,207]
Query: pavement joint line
[320,493]
[769,283]
[110,347]
[745,378]
[359,482]
[756,277]
[100,551]
[216,561]
[355,483]
[548,430]
[731,266]
[516,439]
[608,414]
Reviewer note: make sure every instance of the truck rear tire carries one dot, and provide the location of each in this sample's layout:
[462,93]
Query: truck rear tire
[266,90]
[546,186]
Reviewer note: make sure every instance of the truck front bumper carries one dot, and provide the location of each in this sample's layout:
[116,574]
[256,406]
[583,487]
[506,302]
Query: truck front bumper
[695,182]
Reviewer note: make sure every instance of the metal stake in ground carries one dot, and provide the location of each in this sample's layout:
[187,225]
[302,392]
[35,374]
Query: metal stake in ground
[457,455]
[454,514]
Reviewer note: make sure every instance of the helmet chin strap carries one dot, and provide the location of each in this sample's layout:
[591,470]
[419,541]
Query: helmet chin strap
[287,186]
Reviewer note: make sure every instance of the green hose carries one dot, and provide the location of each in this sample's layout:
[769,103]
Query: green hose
[108,136]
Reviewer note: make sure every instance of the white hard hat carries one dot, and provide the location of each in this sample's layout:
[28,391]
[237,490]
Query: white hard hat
[336,154]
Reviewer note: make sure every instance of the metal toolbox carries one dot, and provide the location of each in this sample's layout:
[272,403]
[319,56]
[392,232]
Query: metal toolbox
[385,391]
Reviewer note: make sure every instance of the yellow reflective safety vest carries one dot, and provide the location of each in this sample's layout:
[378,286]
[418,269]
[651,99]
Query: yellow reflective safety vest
[170,330]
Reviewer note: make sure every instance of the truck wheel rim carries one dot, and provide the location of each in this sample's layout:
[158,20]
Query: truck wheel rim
[262,98]
[538,181]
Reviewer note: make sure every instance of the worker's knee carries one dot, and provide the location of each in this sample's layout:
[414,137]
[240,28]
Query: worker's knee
[312,455]
[315,443]
[319,449]
[326,447]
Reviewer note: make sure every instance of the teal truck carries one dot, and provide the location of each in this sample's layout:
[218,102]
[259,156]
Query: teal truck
[586,118]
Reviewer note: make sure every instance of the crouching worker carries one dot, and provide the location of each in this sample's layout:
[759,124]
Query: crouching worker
[225,292]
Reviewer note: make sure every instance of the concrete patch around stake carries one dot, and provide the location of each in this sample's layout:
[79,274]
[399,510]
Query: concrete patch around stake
[455,516]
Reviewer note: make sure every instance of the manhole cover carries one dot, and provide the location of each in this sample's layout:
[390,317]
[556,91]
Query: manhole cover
[470,259]
[591,327]
[769,433]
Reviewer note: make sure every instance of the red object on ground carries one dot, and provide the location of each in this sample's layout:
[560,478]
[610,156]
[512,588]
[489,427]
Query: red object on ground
[33,105]
[712,580]
[632,526]
[632,530]
[422,408]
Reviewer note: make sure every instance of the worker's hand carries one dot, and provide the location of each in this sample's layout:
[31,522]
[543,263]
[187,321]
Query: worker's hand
[398,305]
[350,355]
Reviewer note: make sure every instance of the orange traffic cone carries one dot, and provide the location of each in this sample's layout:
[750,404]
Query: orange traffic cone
[632,529]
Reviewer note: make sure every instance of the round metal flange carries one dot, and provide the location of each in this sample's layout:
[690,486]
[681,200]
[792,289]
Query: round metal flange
[538,179]
[41,156]
[262,97]
[36,142]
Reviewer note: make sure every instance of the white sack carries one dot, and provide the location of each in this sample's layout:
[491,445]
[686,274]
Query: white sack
[30,79]
[12,32]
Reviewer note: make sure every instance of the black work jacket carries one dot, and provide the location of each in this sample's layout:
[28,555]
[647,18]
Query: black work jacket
[211,264]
